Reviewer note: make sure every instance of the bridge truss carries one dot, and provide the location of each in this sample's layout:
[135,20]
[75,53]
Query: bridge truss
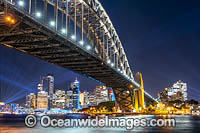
[74,34]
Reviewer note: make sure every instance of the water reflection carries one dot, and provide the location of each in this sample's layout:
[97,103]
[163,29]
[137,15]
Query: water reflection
[183,124]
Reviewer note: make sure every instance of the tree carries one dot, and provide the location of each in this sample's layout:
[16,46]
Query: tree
[193,102]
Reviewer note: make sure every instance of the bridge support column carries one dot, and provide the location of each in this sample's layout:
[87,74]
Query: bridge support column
[139,94]
[123,97]
[136,100]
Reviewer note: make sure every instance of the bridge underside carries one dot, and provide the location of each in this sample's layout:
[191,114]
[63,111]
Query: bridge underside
[37,39]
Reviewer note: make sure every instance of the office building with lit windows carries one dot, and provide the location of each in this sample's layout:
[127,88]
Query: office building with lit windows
[31,100]
[42,100]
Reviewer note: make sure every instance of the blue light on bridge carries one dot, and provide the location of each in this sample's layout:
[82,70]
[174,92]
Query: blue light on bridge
[112,64]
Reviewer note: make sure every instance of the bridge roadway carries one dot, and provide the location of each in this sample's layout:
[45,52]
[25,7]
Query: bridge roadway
[36,38]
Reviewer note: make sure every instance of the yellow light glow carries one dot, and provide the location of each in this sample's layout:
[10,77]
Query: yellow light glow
[8,18]
[131,86]
[12,21]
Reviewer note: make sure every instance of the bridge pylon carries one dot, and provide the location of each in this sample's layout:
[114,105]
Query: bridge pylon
[138,94]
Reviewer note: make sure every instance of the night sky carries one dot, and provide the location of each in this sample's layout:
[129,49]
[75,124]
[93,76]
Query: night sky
[161,40]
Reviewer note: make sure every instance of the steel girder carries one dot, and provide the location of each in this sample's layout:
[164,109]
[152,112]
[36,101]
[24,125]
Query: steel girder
[45,43]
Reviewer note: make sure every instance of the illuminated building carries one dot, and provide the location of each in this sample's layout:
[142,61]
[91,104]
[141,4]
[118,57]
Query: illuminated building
[48,86]
[69,98]
[75,95]
[42,100]
[92,99]
[101,94]
[81,99]
[178,91]
[40,88]
[2,106]
[31,100]
[98,95]
[86,98]
[60,99]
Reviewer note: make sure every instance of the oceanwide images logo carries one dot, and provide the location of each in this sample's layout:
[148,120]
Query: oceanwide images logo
[128,123]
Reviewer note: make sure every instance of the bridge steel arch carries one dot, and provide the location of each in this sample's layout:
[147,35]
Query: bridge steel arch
[80,36]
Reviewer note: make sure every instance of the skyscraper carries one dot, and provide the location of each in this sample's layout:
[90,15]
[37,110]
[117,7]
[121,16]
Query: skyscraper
[48,86]
[75,95]
[69,98]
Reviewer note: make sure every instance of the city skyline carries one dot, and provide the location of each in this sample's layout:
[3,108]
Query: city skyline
[99,66]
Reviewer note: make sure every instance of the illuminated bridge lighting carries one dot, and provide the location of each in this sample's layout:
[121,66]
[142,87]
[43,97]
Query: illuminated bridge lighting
[88,47]
[81,43]
[108,61]
[63,31]
[21,3]
[73,37]
[77,26]
[38,14]
[52,23]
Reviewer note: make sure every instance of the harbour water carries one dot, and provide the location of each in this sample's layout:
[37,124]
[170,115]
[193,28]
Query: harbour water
[184,124]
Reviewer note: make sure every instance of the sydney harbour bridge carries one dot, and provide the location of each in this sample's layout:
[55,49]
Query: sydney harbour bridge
[77,35]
